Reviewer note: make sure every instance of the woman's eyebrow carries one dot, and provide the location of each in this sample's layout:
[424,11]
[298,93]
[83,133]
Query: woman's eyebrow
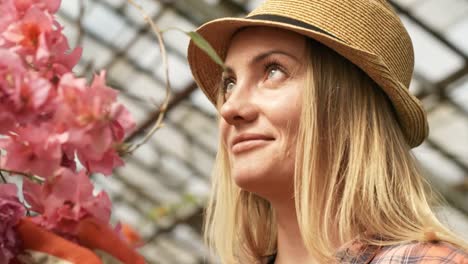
[264,55]
[230,71]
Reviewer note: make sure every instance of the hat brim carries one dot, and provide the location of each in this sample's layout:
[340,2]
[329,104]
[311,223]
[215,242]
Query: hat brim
[219,32]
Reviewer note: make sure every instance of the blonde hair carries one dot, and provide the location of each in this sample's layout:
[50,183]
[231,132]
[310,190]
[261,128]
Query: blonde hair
[354,174]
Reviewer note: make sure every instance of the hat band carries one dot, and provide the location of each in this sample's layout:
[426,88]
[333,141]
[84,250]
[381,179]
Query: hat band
[290,21]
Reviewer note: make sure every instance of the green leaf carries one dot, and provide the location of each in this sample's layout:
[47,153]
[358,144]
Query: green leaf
[206,47]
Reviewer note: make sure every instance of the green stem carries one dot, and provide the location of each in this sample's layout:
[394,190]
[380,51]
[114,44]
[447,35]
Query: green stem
[3,177]
[32,177]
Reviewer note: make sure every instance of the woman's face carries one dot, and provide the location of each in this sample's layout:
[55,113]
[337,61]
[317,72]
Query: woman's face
[260,115]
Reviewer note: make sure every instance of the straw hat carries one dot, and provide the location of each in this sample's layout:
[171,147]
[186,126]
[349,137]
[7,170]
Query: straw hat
[366,32]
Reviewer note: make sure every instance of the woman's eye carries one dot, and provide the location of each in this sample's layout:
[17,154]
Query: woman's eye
[228,86]
[274,73]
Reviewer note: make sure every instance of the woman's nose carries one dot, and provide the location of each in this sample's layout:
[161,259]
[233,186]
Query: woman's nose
[239,107]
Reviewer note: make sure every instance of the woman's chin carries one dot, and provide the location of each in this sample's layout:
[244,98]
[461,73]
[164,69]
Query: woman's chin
[251,183]
[264,186]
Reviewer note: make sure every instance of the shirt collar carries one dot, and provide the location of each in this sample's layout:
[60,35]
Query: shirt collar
[356,251]
[352,252]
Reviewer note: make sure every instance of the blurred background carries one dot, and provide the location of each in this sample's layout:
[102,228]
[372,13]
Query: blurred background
[161,191]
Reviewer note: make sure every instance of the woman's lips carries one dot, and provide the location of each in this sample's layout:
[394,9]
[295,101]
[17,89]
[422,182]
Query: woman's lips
[245,142]
[248,145]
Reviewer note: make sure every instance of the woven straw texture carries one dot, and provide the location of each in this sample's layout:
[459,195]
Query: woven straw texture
[366,32]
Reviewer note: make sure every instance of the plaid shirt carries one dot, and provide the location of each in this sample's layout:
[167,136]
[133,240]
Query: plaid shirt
[410,253]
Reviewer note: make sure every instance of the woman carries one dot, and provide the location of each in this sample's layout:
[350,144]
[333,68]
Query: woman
[316,127]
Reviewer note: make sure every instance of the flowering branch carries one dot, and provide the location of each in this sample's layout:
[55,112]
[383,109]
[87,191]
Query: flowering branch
[51,121]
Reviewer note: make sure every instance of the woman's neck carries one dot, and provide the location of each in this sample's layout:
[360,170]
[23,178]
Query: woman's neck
[291,248]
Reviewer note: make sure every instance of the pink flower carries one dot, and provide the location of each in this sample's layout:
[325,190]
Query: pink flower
[11,67]
[105,164]
[31,150]
[68,159]
[13,10]
[81,106]
[64,200]
[96,122]
[123,123]
[23,35]
[47,5]
[93,104]
[61,59]
[24,95]
[9,14]
[29,94]
[38,39]
[11,211]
